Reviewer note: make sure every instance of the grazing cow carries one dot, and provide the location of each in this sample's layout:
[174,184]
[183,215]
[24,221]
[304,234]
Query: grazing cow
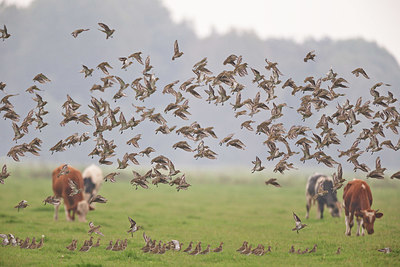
[92,180]
[357,199]
[316,183]
[61,188]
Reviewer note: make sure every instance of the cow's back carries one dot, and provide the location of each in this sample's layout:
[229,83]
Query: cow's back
[357,195]
[312,182]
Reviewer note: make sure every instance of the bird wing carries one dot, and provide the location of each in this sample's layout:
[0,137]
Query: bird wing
[104,26]
[296,218]
[131,221]
[176,47]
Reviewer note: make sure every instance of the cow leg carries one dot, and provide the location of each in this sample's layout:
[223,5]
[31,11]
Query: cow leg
[359,225]
[308,205]
[362,227]
[349,222]
[56,211]
[321,209]
[67,214]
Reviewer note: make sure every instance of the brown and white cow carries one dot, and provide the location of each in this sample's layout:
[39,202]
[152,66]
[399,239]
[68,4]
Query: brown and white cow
[72,204]
[357,199]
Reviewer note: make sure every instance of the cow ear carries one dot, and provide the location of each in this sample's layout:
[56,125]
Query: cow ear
[378,215]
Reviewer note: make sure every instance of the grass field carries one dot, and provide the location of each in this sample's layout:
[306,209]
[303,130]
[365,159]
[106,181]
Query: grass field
[228,208]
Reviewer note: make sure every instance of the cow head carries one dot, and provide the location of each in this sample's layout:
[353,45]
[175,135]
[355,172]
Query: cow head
[369,217]
[335,209]
[82,209]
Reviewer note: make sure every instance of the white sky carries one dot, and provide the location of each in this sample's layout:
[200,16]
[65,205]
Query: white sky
[373,20]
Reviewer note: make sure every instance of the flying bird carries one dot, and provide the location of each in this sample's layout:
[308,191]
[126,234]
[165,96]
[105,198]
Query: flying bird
[74,188]
[4,33]
[177,53]
[4,174]
[111,177]
[257,165]
[52,200]
[77,32]
[94,229]
[299,225]
[41,78]
[134,227]
[64,170]
[359,71]
[22,205]
[106,30]
[310,56]
[273,182]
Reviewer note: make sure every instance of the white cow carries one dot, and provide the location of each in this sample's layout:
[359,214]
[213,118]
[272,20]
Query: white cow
[92,180]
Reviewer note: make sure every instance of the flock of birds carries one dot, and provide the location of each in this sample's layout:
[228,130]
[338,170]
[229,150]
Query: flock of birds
[13,241]
[317,94]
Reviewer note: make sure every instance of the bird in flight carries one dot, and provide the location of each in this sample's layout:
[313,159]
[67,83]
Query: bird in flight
[299,225]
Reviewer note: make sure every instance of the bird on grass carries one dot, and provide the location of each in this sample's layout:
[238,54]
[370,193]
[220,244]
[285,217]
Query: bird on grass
[219,248]
[314,249]
[196,250]
[385,250]
[6,241]
[243,247]
[97,243]
[292,250]
[189,248]
[338,250]
[206,251]
[299,225]
[72,246]
[110,245]
[25,244]
[86,247]
[247,251]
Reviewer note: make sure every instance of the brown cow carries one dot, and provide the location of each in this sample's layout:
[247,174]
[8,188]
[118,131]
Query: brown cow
[357,199]
[72,204]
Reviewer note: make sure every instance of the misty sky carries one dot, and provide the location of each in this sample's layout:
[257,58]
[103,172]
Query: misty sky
[369,19]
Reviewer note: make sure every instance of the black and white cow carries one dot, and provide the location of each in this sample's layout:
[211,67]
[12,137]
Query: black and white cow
[330,199]
[92,181]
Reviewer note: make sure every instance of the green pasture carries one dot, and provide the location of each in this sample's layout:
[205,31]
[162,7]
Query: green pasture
[230,206]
